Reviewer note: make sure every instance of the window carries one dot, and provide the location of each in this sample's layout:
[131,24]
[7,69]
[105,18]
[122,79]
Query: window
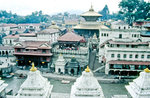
[27,49]
[118,45]
[142,56]
[43,51]
[112,55]
[124,56]
[130,56]
[136,56]
[102,34]
[120,35]
[18,50]
[124,27]
[119,28]
[107,34]
[118,55]
[127,45]
[148,56]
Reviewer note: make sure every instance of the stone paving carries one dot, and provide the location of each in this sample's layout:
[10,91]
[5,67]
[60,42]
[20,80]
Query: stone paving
[60,95]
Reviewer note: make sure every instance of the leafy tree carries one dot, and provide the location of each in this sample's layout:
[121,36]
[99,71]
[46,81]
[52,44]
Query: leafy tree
[134,10]
[105,13]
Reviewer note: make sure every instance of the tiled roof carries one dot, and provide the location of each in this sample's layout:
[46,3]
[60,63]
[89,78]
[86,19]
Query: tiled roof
[70,36]
[91,13]
[49,31]
[12,36]
[34,44]
[8,25]
[129,62]
[119,22]
[28,34]
[6,47]
[38,24]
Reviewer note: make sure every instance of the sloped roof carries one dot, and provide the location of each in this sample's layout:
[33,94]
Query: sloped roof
[34,44]
[49,30]
[70,36]
[119,22]
[91,12]
[12,36]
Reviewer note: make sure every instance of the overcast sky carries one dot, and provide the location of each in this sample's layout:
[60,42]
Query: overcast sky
[25,7]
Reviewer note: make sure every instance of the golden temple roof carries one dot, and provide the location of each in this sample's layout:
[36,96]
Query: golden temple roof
[87,69]
[147,70]
[33,68]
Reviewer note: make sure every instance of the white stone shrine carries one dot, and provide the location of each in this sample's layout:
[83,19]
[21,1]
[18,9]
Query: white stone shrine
[140,87]
[60,64]
[35,86]
[86,86]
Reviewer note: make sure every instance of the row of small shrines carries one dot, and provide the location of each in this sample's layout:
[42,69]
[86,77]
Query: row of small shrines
[86,86]
[60,66]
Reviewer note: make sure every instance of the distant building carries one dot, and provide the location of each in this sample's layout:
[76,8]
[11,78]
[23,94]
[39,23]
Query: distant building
[6,28]
[49,34]
[119,25]
[38,52]
[3,89]
[9,40]
[86,86]
[35,86]
[6,51]
[140,23]
[140,87]
[90,26]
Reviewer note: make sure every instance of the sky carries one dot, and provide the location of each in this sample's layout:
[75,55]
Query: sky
[26,7]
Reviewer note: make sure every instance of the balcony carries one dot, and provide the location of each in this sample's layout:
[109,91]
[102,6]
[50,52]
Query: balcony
[142,49]
[33,53]
[60,51]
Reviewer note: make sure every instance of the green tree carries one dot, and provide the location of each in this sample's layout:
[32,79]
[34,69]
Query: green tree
[134,10]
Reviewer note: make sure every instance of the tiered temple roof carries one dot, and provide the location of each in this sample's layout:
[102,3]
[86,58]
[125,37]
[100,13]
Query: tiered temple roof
[86,86]
[140,87]
[35,86]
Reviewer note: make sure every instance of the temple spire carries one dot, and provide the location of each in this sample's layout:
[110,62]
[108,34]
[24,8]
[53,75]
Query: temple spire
[147,70]
[87,69]
[91,9]
[33,68]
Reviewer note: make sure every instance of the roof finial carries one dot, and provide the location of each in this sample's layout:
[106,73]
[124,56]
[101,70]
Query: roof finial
[87,69]
[147,70]
[91,9]
[33,68]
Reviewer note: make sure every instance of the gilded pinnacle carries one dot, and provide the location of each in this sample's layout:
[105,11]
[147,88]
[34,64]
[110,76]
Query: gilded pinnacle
[33,68]
[87,69]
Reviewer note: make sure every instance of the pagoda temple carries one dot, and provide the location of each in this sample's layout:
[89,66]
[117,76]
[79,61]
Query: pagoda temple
[35,86]
[91,24]
[86,86]
[140,87]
